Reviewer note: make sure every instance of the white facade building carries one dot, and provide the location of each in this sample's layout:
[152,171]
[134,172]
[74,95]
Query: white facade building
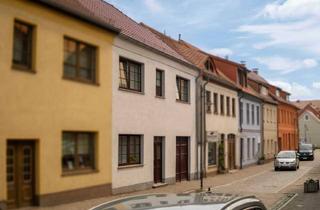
[160,129]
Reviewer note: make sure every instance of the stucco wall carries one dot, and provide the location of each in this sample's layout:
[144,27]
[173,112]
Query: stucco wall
[145,114]
[270,130]
[41,105]
[223,124]
[287,127]
[249,132]
[309,128]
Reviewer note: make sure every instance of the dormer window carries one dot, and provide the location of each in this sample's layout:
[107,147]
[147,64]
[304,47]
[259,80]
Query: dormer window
[208,65]
[278,93]
[242,78]
[287,97]
[264,90]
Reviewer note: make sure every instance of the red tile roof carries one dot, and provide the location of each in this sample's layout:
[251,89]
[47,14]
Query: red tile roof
[110,15]
[311,108]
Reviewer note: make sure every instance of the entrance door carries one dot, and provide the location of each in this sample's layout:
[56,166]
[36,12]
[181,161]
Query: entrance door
[20,173]
[182,157]
[157,159]
[231,152]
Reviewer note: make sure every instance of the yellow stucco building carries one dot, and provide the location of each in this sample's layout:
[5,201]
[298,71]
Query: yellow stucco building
[55,105]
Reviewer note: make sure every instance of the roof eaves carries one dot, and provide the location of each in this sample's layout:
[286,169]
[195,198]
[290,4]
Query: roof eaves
[78,15]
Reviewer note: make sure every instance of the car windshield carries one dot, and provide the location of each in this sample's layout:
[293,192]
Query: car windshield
[286,155]
[305,147]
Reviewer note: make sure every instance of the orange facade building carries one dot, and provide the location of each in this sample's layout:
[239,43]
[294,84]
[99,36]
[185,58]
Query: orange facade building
[288,132]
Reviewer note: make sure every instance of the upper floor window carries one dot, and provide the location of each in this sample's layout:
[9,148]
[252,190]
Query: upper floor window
[183,89]
[248,113]
[78,151]
[222,104]
[228,105]
[79,61]
[258,115]
[22,46]
[215,103]
[233,107]
[278,93]
[306,117]
[208,101]
[241,113]
[130,75]
[264,90]
[159,83]
[252,114]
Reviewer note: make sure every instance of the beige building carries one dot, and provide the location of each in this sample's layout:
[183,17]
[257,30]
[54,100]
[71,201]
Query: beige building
[269,117]
[55,104]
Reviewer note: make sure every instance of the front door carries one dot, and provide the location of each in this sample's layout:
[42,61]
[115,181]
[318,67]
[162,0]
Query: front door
[157,159]
[182,158]
[231,153]
[20,173]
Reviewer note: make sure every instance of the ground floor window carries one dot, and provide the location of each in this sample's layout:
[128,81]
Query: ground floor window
[212,153]
[78,150]
[129,149]
[248,148]
[253,147]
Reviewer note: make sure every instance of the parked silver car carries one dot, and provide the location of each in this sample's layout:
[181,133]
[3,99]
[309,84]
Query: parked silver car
[286,160]
[188,201]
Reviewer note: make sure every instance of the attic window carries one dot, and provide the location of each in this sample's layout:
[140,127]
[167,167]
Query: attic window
[209,65]
[278,93]
[306,117]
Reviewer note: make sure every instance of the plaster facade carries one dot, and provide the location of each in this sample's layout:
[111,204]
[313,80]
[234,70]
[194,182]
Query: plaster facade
[270,130]
[309,128]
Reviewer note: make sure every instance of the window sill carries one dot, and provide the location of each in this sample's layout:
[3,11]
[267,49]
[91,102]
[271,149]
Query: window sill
[131,166]
[182,102]
[131,91]
[81,81]
[79,172]
[22,69]
[160,97]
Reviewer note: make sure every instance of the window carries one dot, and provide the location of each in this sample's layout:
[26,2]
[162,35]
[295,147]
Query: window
[248,148]
[208,101]
[215,103]
[278,93]
[182,89]
[253,147]
[241,113]
[228,106]
[129,149]
[130,75]
[252,114]
[221,104]
[79,61]
[77,150]
[208,65]
[212,153]
[264,90]
[233,107]
[159,83]
[22,46]
[258,115]
[306,117]
[248,114]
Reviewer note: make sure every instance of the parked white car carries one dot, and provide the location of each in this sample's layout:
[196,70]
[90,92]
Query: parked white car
[286,160]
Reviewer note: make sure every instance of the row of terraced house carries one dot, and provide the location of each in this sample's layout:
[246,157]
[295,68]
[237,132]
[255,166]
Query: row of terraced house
[93,104]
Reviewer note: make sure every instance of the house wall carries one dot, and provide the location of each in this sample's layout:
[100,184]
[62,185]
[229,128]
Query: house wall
[222,124]
[309,128]
[148,115]
[250,133]
[270,130]
[41,105]
[287,127]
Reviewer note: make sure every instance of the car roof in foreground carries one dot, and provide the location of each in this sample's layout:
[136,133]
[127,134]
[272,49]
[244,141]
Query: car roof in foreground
[185,201]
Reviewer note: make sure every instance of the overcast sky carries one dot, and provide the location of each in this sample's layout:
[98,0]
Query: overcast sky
[280,37]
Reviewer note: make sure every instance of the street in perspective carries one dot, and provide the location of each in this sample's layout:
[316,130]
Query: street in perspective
[159,104]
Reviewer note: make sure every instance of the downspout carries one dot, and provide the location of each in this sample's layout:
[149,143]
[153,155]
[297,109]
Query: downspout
[240,130]
[204,133]
[198,120]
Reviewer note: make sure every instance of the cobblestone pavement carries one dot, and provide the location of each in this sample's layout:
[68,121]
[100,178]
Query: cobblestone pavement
[259,180]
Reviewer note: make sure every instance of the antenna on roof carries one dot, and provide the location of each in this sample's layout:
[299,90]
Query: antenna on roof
[243,63]
[255,70]
[179,37]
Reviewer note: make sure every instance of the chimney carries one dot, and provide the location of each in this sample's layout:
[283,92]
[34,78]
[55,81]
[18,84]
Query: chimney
[179,37]
[243,63]
[255,70]
[226,57]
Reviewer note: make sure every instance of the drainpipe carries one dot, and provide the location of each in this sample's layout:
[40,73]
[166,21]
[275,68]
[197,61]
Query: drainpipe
[198,119]
[240,130]
[262,129]
[204,133]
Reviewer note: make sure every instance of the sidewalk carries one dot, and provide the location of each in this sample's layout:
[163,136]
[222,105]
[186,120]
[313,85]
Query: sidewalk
[215,182]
